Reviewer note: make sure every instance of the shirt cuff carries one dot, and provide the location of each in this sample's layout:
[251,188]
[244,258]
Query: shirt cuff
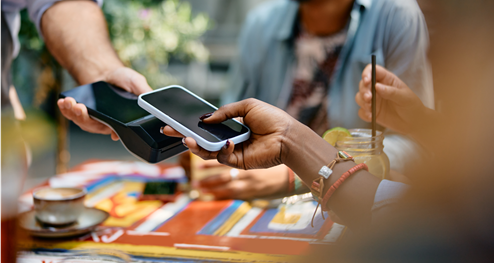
[388,192]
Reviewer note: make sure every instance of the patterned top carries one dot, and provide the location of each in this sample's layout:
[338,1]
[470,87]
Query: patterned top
[316,59]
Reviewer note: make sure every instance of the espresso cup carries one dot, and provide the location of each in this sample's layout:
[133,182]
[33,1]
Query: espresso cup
[58,206]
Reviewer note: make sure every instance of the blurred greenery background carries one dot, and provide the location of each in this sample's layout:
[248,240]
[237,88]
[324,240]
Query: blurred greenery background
[185,42]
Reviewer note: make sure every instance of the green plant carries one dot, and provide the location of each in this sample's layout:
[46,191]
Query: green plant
[147,34]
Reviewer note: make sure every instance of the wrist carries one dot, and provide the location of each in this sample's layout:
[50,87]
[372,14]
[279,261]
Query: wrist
[305,152]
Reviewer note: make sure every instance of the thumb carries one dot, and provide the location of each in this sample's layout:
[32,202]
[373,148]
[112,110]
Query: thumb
[129,80]
[140,84]
[230,111]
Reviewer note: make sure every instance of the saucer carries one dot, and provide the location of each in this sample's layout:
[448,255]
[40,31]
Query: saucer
[89,219]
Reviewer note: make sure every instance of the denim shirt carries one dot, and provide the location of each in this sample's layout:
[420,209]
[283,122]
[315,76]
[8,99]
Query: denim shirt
[394,30]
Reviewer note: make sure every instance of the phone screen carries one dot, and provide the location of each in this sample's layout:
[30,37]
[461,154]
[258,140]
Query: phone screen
[108,100]
[186,109]
[160,188]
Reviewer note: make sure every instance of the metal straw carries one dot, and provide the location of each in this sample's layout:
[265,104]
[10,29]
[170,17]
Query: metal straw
[373,95]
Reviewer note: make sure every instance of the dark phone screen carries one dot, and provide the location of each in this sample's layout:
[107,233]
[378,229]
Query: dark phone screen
[186,109]
[160,188]
[108,100]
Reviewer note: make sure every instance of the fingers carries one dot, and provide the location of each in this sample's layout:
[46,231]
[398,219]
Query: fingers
[140,84]
[215,180]
[382,75]
[197,150]
[237,189]
[169,131]
[392,93]
[227,156]
[78,113]
[230,111]
[365,115]
[211,164]
[129,80]
[114,136]
[361,102]
[226,191]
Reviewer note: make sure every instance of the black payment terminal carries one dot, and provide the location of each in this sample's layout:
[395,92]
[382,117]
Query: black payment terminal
[138,130]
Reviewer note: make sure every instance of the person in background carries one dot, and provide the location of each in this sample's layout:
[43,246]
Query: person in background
[361,199]
[307,57]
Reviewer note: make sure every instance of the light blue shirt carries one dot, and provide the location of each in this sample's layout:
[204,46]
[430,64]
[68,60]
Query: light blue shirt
[394,30]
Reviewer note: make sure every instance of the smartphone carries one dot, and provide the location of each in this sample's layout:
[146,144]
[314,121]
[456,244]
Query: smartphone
[160,190]
[181,109]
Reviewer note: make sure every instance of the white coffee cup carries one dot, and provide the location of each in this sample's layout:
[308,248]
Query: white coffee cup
[58,206]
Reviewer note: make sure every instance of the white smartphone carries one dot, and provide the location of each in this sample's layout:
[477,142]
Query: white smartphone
[181,109]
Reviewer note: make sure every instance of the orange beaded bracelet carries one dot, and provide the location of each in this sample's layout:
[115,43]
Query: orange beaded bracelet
[337,184]
[291,181]
[333,188]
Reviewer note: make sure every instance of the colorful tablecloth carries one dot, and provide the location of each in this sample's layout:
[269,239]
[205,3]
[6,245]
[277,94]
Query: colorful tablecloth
[228,230]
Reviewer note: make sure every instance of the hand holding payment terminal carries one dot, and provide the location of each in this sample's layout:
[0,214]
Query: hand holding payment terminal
[138,130]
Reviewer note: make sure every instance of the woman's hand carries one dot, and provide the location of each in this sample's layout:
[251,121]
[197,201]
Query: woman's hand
[245,184]
[265,147]
[125,78]
[398,108]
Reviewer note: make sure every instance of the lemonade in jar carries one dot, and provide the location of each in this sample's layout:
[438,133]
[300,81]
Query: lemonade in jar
[364,148]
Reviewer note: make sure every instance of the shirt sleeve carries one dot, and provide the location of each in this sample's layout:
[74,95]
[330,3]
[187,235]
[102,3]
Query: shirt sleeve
[405,50]
[406,46]
[387,196]
[238,83]
[36,9]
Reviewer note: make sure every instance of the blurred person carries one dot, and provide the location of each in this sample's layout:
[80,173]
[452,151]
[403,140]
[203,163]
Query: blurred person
[75,33]
[447,212]
[306,57]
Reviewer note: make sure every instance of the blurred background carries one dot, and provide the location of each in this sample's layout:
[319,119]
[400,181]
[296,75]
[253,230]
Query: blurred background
[185,42]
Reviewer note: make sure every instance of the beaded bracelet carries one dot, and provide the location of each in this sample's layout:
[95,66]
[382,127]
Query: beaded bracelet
[333,188]
[326,171]
[317,186]
[340,180]
[291,181]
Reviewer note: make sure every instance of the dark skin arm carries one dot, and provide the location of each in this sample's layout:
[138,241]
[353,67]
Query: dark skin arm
[276,139]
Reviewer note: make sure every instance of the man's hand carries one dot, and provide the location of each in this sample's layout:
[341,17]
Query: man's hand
[76,34]
[122,77]
[398,108]
[245,185]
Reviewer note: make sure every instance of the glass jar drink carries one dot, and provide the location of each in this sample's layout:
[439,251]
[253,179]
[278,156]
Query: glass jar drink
[366,149]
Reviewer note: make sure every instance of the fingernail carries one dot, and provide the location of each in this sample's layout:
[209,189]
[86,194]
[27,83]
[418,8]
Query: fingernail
[205,116]
[78,112]
[227,144]
[183,142]
[161,130]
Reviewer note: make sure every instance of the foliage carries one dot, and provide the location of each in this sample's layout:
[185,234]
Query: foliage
[147,34]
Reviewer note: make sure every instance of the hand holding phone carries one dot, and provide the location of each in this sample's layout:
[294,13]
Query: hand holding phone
[181,109]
